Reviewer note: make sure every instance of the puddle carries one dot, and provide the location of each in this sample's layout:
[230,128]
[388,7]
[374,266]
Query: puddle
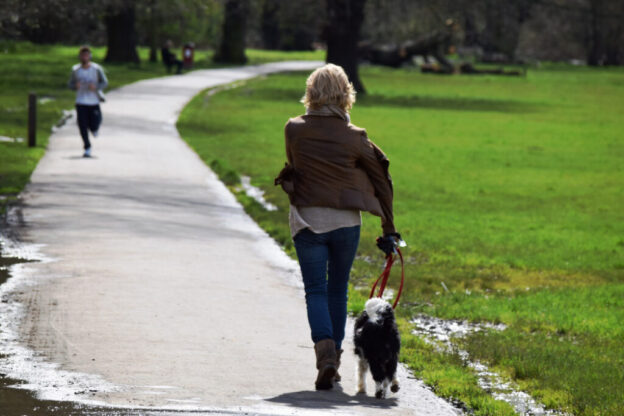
[441,332]
[46,99]
[5,263]
[5,139]
[18,362]
[522,402]
[14,399]
[16,109]
[256,193]
[67,114]
[19,366]
[444,330]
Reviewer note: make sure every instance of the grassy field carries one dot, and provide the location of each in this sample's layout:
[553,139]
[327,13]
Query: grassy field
[508,191]
[45,70]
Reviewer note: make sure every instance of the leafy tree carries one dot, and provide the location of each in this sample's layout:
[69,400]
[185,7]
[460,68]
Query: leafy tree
[48,21]
[299,23]
[182,21]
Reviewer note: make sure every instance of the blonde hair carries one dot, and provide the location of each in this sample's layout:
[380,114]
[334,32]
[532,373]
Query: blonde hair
[328,85]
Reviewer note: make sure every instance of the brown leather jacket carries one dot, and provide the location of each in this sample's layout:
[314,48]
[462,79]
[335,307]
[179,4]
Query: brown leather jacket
[332,163]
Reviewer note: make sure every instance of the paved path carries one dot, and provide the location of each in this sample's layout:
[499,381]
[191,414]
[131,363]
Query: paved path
[162,292]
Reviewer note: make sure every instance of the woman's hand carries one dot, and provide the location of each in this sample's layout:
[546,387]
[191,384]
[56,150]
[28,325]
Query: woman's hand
[388,242]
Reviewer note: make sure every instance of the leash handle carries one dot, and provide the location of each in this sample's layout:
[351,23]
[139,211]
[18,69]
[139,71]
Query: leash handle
[396,301]
[385,276]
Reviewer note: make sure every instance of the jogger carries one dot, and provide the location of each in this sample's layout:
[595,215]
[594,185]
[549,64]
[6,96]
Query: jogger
[88,80]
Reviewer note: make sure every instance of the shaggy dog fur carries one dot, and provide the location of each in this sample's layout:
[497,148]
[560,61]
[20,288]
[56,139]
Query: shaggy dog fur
[377,344]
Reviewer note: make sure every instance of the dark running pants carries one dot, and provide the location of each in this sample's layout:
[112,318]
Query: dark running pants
[89,118]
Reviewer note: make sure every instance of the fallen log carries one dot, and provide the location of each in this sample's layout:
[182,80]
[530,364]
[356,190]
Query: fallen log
[434,44]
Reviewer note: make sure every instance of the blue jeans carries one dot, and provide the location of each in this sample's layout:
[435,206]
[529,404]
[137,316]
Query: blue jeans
[325,260]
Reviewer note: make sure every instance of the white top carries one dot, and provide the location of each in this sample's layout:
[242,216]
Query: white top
[86,76]
[321,219]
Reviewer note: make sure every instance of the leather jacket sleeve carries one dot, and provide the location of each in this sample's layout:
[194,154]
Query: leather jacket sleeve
[375,163]
[286,177]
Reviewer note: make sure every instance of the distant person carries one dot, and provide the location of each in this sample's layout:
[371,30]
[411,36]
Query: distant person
[88,79]
[333,172]
[188,55]
[169,58]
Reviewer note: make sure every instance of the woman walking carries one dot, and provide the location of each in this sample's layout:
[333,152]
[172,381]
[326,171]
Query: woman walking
[333,172]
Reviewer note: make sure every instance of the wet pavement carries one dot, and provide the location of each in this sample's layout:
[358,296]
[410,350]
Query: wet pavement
[15,401]
[18,402]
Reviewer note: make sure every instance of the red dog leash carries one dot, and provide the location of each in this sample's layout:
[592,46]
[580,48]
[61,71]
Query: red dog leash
[386,274]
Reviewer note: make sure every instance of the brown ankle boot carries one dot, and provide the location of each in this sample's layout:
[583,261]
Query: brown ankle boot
[325,363]
[338,354]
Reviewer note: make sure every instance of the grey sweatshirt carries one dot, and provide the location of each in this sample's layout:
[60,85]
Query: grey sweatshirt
[91,75]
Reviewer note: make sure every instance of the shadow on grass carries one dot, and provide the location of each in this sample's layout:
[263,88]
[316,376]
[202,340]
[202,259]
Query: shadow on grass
[447,103]
[406,101]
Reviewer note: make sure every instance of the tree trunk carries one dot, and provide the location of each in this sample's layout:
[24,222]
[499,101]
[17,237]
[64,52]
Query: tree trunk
[605,35]
[232,48]
[594,53]
[503,23]
[613,48]
[270,24]
[121,33]
[342,34]
[152,25]
[434,44]
[153,54]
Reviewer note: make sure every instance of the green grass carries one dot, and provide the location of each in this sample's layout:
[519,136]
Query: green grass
[45,70]
[507,189]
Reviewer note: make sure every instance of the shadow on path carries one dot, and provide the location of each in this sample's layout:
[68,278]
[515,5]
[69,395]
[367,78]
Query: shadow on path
[333,399]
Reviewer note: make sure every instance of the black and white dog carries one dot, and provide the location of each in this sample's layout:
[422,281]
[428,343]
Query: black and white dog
[377,344]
